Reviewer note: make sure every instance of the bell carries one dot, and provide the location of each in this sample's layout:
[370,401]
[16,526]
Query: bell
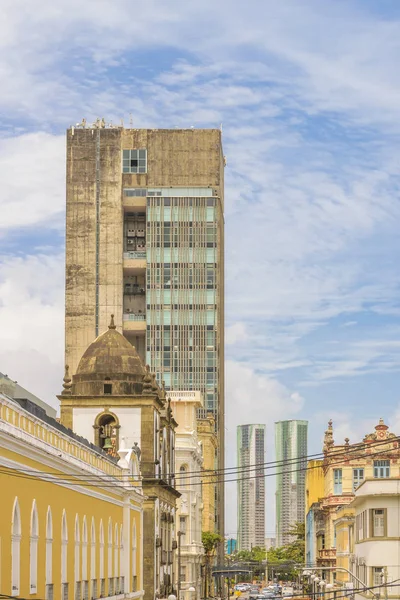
[107,444]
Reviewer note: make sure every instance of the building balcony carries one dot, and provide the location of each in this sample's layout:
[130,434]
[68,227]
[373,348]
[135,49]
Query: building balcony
[134,291]
[327,554]
[135,322]
[134,261]
[134,203]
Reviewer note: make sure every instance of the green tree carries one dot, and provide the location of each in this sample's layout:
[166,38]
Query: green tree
[284,558]
[210,542]
[258,554]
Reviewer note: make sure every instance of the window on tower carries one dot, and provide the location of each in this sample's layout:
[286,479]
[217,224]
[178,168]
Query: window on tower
[134,161]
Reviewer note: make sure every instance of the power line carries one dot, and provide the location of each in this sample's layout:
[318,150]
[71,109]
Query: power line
[180,476]
[100,481]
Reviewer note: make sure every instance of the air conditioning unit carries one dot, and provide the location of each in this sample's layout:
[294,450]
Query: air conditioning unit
[128,310]
[131,242]
[352,558]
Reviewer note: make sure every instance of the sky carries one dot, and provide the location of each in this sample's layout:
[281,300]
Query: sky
[308,95]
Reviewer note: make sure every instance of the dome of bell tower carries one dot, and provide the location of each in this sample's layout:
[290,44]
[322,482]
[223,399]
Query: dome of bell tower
[110,365]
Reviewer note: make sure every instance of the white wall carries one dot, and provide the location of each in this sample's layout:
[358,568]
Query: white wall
[129,420]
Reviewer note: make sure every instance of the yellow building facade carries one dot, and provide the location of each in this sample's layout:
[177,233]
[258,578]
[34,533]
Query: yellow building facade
[314,482]
[209,440]
[345,467]
[71,518]
[344,528]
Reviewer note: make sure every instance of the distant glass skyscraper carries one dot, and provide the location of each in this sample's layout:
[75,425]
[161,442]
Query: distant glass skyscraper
[251,486]
[291,455]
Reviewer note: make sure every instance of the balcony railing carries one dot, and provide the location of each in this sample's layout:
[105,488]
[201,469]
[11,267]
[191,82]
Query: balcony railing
[134,291]
[134,317]
[327,553]
[134,583]
[94,589]
[135,254]
[102,588]
[122,585]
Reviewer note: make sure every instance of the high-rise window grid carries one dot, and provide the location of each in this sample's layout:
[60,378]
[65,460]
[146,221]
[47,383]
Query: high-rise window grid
[251,493]
[181,293]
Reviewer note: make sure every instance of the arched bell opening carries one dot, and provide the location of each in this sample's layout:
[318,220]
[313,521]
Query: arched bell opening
[107,432]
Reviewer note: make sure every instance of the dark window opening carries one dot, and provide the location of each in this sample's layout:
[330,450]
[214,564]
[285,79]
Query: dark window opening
[108,388]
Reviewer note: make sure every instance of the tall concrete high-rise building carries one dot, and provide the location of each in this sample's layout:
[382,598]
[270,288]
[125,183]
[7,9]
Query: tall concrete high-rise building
[251,486]
[291,456]
[145,242]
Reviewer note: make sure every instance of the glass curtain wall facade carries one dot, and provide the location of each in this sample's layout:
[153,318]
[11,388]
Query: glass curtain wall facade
[251,491]
[182,280]
[291,455]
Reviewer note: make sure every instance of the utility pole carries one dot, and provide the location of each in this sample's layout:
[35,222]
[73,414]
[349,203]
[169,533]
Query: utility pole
[179,534]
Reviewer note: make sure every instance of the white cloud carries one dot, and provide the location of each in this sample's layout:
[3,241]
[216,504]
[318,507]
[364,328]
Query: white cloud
[252,397]
[32,322]
[235,333]
[32,173]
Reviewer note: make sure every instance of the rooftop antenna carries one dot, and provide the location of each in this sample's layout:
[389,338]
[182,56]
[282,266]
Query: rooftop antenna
[130,120]
[122,123]
[220,127]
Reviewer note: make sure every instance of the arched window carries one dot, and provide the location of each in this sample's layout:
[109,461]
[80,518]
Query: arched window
[93,559]
[77,549]
[15,548]
[134,556]
[121,553]
[101,536]
[84,550]
[116,552]
[109,540]
[33,549]
[64,548]
[49,547]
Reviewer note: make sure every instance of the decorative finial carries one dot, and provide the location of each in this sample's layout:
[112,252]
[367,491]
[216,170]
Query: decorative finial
[147,386]
[381,421]
[112,324]
[67,383]
[328,439]
[163,393]
[154,385]
[169,409]
[346,441]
